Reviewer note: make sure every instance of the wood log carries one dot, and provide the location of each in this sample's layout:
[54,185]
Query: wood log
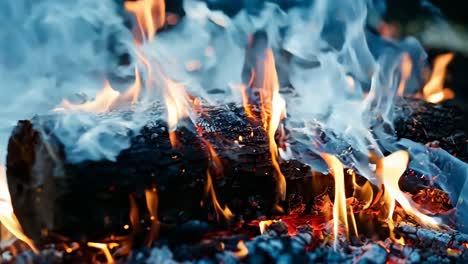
[93,199]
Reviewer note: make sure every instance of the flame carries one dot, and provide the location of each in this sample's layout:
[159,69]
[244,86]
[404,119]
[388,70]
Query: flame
[150,16]
[243,251]
[363,193]
[7,216]
[339,205]
[406,69]
[177,105]
[107,99]
[105,249]
[209,189]
[434,90]
[264,224]
[152,203]
[273,111]
[389,171]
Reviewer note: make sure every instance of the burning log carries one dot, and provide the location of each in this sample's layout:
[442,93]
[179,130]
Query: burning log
[95,199]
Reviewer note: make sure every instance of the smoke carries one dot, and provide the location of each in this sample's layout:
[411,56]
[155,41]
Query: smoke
[325,51]
[53,49]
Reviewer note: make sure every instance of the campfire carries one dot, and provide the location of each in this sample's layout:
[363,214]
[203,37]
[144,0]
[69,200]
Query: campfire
[154,131]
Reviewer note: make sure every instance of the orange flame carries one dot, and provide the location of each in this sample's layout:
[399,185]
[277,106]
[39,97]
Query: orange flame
[339,205]
[7,216]
[209,189]
[242,252]
[105,249]
[107,99]
[266,223]
[150,16]
[389,171]
[177,106]
[434,90]
[152,203]
[406,68]
[273,110]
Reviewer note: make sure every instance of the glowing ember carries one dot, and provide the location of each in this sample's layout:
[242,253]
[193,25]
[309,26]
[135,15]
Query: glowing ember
[434,90]
[150,15]
[242,252]
[339,204]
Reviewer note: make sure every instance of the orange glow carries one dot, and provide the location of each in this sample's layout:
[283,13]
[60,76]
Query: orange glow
[351,83]
[150,16]
[339,204]
[242,252]
[434,90]
[131,95]
[7,216]
[246,102]
[104,248]
[264,224]
[406,68]
[152,203]
[389,171]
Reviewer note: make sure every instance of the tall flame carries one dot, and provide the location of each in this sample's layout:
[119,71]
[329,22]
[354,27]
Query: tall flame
[7,216]
[434,90]
[339,205]
[150,16]
[273,110]
[152,203]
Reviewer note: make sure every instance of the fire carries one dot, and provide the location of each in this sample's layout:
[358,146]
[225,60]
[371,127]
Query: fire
[150,16]
[243,251]
[177,106]
[152,203]
[339,204]
[7,216]
[209,189]
[264,224]
[434,90]
[105,249]
[406,68]
[389,171]
[216,167]
[107,99]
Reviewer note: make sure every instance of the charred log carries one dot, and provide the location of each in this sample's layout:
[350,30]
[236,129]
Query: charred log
[93,199]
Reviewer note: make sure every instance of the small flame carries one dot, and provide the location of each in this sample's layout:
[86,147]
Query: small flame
[389,171]
[152,203]
[104,248]
[102,103]
[264,224]
[150,16]
[434,90]
[406,68]
[177,106]
[7,216]
[107,99]
[339,204]
[363,193]
[242,251]
[209,189]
